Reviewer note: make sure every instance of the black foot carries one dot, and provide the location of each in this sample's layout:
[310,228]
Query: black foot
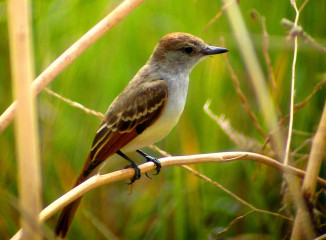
[132,165]
[137,173]
[151,159]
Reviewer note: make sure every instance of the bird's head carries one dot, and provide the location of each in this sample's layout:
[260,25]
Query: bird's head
[183,50]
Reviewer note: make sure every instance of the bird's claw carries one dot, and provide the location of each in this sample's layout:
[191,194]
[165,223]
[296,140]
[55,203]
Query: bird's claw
[137,173]
[156,162]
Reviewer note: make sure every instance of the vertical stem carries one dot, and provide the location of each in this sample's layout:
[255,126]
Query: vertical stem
[288,142]
[316,156]
[309,183]
[303,225]
[27,146]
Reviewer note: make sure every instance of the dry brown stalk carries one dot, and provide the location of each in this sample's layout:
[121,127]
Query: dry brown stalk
[315,157]
[291,114]
[303,228]
[26,129]
[66,58]
[304,216]
[75,104]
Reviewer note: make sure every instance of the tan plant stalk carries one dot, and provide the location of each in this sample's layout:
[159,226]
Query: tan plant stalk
[65,59]
[295,52]
[100,180]
[75,104]
[307,231]
[309,183]
[26,137]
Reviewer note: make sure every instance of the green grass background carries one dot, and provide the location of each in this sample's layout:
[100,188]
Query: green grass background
[174,204]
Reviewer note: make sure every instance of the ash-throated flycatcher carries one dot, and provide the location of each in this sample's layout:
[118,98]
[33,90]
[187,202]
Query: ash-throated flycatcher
[146,110]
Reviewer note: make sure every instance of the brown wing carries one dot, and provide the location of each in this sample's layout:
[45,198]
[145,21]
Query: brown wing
[135,109]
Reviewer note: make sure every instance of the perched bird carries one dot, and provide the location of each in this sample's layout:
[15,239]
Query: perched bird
[145,111]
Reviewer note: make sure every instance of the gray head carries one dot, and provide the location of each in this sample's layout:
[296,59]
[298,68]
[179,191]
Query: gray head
[182,50]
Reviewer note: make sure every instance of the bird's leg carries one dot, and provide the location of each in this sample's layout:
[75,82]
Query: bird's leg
[132,165]
[151,159]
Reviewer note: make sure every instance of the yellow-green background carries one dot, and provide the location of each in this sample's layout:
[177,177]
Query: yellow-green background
[174,204]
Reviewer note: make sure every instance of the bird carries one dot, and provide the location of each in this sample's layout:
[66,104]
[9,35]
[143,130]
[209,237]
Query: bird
[145,111]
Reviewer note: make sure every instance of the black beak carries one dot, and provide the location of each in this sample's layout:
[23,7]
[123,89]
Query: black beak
[211,50]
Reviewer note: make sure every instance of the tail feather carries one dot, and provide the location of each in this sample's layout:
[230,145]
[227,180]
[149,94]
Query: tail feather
[69,211]
[89,168]
[66,218]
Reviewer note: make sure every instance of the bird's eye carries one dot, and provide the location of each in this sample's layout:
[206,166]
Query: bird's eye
[188,50]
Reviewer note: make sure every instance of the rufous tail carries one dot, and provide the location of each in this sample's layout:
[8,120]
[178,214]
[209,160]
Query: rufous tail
[69,211]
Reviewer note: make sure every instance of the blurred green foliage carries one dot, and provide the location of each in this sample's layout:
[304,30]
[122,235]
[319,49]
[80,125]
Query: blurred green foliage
[174,204]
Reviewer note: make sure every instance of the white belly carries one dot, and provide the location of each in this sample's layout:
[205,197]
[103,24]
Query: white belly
[168,119]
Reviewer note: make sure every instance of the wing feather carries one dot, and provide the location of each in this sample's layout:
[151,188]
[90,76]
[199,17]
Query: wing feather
[128,116]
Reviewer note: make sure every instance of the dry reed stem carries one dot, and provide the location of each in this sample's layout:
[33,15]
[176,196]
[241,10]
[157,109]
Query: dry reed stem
[75,104]
[303,216]
[316,157]
[303,228]
[293,186]
[100,180]
[26,134]
[291,114]
[256,75]
[66,58]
